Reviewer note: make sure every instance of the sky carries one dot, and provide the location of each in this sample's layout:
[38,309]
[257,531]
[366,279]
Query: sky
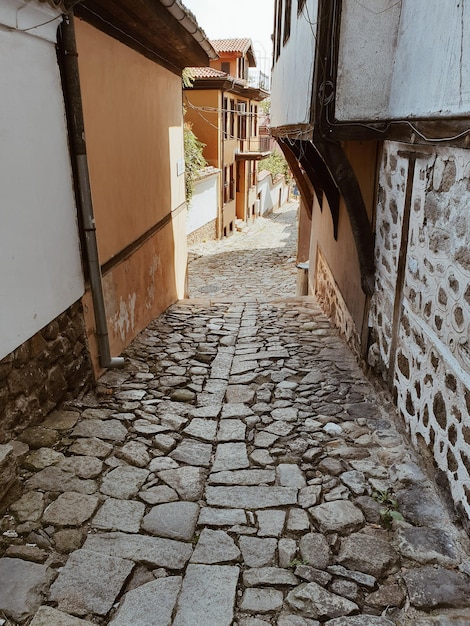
[227,19]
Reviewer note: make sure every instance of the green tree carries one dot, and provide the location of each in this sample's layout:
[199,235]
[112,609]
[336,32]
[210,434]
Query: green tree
[194,160]
[265,106]
[277,166]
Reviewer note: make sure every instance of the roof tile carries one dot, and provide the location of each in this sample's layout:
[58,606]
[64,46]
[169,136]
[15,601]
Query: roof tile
[231,45]
[206,72]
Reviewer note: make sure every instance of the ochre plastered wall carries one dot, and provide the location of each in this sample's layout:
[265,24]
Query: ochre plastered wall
[334,266]
[130,105]
[134,133]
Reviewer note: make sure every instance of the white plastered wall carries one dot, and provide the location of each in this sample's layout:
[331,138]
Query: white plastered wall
[41,273]
[203,206]
[406,59]
[292,75]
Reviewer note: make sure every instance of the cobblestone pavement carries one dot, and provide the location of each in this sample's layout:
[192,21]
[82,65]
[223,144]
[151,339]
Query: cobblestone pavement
[240,470]
[257,263]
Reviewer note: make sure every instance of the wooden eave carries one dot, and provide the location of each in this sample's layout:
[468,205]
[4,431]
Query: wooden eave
[147,27]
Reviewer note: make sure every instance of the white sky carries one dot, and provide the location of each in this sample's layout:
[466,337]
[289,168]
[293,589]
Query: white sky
[227,19]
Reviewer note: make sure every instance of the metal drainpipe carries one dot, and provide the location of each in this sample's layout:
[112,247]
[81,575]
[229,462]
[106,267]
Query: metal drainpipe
[77,137]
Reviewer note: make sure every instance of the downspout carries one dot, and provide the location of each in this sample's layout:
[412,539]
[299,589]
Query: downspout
[76,125]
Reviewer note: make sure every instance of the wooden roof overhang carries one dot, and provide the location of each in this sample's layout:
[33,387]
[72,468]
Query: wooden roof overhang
[162,30]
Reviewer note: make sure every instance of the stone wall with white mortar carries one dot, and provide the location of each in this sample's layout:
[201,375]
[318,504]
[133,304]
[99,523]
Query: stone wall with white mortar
[424,348]
[333,304]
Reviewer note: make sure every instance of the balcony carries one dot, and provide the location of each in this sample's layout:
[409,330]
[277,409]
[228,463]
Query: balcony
[259,80]
[253,149]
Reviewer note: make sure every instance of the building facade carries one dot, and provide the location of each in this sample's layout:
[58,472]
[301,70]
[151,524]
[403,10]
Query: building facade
[223,109]
[377,136]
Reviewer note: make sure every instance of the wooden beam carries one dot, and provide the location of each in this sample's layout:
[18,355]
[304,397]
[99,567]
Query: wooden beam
[302,184]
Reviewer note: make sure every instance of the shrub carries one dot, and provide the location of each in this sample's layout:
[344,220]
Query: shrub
[194,160]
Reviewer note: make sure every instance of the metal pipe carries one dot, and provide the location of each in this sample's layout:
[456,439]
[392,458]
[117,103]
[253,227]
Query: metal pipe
[76,125]
[189,23]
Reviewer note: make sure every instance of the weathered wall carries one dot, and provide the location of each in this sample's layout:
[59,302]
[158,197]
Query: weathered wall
[41,274]
[42,372]
[421,310]
[134,125]
[141,287]
[208,232]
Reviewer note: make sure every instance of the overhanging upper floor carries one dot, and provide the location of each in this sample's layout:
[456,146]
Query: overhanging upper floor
[374,69]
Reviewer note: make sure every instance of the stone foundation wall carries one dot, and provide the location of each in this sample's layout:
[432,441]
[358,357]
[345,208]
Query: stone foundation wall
[333,304]
[48,368]
[420,314]
[208,232]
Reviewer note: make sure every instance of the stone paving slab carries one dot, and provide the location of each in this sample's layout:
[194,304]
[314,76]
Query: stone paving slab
[241,469]
[155,551]
[48,616]
[151,603]
[208,596]
[22,587]
[90,582]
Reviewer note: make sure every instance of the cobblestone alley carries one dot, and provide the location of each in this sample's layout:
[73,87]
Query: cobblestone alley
[240,470]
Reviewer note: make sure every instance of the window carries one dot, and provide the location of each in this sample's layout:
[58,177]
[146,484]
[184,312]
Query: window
[225,67]
[231,133]
[241,108]
[229,183]
[241,68]
[287,16]
[252,173]
[255,121]
[225,117]
[232,181]
[277,29]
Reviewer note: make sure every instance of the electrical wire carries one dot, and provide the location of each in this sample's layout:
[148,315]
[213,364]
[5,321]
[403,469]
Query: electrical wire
[325,101]
[378,12]
[57,17]
[208,109]
[226,135]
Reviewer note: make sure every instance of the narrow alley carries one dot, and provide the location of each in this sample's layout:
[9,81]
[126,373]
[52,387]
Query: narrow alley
[240,470]
[256,263]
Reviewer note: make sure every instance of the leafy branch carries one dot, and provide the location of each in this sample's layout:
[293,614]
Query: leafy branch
[194,160]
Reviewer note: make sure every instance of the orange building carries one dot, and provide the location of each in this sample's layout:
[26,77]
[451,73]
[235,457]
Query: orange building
[130,61]
[223,109]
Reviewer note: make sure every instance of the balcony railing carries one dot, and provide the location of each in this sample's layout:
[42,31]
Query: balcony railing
[259,79]
[256,144]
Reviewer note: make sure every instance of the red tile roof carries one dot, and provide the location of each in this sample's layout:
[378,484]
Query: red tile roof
[231,45]
[206,72]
